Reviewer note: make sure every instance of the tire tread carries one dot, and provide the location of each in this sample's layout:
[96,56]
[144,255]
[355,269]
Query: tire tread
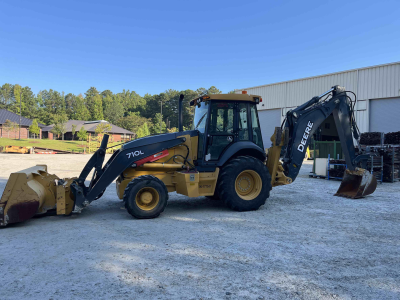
[225,179]
[136,181]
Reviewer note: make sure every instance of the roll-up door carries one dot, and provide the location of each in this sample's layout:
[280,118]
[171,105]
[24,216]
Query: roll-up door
[384,115]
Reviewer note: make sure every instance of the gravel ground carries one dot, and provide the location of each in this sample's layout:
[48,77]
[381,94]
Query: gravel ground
[303,244]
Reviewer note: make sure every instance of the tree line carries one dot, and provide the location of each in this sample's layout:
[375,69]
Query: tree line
[127,109]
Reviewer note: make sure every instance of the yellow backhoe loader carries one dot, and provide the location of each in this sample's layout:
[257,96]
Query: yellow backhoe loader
[222,157]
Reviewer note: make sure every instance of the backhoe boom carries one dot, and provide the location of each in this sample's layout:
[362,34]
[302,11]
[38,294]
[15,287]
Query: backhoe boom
[303,121]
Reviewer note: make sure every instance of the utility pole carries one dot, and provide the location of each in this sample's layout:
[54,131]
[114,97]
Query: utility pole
[20,112]
[161,118]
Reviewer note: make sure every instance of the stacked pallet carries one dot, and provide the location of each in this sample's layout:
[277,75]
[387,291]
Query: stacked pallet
[338,169]
[376,167]
[391,165]
[370,138]
[389,170]
[392,138]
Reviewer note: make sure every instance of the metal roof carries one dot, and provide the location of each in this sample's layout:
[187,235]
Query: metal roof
[376,82]
[317,76]
[90,126]
[13,117]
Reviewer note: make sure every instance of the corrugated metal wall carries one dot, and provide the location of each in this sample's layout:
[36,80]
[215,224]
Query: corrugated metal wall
[379,82]
[368,83]
[301,91]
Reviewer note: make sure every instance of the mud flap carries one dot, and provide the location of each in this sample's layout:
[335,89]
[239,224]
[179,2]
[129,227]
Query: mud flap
[357,184]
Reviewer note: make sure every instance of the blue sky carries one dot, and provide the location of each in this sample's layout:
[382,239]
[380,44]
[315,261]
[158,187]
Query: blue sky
[151,46]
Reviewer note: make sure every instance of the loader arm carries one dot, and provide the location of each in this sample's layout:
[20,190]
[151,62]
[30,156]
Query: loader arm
[128,156]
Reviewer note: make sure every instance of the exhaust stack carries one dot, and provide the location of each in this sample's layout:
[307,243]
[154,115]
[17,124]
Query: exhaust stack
[180,117]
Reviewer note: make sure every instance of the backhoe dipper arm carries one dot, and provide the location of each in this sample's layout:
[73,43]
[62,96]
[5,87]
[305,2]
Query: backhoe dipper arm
[304,120]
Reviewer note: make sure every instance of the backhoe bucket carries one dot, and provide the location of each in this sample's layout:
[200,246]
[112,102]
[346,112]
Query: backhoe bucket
[357,184]
[33,192]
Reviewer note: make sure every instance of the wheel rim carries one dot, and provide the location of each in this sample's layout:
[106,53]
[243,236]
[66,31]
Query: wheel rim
[147,198]
[248,185]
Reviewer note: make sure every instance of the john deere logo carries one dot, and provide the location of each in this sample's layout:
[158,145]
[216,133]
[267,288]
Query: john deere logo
[133,154]
[306,134]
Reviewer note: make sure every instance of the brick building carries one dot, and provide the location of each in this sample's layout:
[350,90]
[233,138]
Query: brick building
[117,133]
[25,123]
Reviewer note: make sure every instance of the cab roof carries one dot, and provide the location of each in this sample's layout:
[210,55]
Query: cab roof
[227,97]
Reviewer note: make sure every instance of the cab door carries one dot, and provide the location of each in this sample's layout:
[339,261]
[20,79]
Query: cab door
[221,129]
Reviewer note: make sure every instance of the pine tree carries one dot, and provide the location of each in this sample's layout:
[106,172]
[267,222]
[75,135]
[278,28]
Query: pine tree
[81,112]
[6,95]
[159,126]
[94,103]
[70,103]
[213,90]
[113,109]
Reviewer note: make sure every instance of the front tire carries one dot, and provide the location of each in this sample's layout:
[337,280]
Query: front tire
[146,197]
[244,184]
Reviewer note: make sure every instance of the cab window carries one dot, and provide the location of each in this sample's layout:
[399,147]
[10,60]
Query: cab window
[221,128]
[243,122]
[199,123]
[221,121]
[255,124]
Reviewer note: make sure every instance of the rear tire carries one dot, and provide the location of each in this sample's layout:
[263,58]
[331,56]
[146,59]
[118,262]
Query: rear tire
[146,197]
[214,197]
[244,183]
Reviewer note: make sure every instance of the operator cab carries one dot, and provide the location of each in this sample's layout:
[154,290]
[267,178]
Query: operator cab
[223,120]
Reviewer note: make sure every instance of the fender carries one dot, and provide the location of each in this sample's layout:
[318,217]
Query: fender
[242,148]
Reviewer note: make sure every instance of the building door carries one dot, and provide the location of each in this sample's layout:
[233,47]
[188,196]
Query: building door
[269,119]
[384,115]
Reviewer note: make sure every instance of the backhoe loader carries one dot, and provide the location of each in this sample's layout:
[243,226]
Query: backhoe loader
[222,157]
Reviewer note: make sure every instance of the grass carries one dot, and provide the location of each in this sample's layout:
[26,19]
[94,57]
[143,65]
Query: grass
[49,144]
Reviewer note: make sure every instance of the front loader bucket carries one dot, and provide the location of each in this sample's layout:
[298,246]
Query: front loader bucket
[33,192]
[357,184]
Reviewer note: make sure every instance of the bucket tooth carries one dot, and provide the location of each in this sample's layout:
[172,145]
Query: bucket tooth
[357,184]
